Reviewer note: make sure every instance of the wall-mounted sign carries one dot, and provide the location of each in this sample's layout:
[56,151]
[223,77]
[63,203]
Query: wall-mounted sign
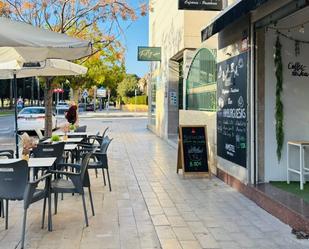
[200,5]
[149,54]
[232,109]
[298,70]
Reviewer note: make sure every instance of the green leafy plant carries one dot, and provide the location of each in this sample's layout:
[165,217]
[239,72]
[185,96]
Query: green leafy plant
[55,138]
[72,127]
[279,105]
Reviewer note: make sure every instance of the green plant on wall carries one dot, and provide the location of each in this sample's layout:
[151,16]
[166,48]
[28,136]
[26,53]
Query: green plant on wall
[279,105]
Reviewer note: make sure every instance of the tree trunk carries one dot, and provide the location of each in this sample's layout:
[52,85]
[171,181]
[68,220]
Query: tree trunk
[75,95]
[48,102]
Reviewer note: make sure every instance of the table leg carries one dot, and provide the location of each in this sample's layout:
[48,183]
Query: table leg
[301,167]
[288,164]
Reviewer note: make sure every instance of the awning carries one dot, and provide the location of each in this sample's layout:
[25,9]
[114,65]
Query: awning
[229,15]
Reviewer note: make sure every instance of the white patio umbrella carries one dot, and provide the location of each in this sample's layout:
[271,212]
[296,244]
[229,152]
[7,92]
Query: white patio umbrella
[24,43]
[49,67]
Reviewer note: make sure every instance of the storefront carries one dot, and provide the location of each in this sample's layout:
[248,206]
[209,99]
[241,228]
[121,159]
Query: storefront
[248,120]
[262,101]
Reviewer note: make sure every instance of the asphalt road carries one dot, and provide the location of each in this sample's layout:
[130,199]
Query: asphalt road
[7,132]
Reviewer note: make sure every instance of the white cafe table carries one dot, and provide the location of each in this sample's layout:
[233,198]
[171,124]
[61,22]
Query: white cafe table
[69,140]
[38,162]
[303,170]
[75,134]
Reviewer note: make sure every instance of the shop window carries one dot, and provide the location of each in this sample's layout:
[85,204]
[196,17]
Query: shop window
[201,87]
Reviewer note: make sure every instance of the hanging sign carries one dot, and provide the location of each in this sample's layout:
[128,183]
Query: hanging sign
[232,109]
[192,149]
[149,54]
[200,5]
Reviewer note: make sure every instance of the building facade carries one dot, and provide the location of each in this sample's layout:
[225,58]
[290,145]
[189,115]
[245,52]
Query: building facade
[177,32]
[218,70]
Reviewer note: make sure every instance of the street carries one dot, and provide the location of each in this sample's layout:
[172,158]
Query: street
[6,132]
[150,206]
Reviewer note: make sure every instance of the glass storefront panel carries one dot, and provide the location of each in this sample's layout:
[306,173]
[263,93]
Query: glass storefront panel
[201,82]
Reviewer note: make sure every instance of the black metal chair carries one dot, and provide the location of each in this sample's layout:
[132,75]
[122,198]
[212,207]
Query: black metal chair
[99,138]
[49,150]
[5,154]
[14,185]
[74,184]
[81,128]
[101,161]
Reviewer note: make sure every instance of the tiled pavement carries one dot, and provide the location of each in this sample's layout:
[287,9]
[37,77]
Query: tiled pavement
[151,206]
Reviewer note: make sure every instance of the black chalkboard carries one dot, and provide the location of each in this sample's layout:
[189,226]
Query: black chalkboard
[194,152]
[232,109]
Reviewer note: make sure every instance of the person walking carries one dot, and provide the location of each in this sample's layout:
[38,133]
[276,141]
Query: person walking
[71,115]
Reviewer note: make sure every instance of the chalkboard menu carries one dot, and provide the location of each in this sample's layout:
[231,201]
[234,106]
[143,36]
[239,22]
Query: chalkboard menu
[232,109]
[194,153]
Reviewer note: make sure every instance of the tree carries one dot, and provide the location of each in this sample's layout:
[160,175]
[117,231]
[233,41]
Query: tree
[96,20]
[127,87]
[101,72]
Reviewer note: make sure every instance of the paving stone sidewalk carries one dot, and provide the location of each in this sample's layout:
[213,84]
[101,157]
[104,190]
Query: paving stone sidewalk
[151,206]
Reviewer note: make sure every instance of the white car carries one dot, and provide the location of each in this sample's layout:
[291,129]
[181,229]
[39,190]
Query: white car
[62,107]
[32,118]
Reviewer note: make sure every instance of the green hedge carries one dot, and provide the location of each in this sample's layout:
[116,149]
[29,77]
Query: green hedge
[140,100]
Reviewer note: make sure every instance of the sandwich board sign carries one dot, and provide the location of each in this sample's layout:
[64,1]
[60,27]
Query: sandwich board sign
[193,150]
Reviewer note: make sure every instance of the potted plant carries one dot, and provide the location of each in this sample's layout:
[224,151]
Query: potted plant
[72,127]
[55,138]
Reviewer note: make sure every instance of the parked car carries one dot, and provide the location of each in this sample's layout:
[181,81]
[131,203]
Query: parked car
[31,118]
[89,107]
[62,107]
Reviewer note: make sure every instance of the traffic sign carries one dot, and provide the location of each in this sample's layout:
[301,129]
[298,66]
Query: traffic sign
[101,92]
[85,94]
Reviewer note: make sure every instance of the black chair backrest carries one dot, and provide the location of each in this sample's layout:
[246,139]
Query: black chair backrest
[49,150]
[84,165]
[7,153]
[13,180]
[105,144]
[81,128]
[104,132]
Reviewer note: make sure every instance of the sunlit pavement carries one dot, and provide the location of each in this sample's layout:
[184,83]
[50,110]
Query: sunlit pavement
[150,206]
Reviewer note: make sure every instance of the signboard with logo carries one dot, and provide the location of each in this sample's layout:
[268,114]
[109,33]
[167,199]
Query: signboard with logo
[149,54]
[232,109]
[200,5]
[193,149]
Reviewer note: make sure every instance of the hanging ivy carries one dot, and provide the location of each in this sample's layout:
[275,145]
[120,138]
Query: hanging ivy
[279,105]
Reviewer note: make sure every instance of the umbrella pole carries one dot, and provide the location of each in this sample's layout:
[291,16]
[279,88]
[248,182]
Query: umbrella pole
[15,105]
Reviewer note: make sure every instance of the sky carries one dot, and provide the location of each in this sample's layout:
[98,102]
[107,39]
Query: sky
[136,35]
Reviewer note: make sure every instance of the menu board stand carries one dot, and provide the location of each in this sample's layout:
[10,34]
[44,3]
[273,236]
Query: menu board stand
[192,156]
